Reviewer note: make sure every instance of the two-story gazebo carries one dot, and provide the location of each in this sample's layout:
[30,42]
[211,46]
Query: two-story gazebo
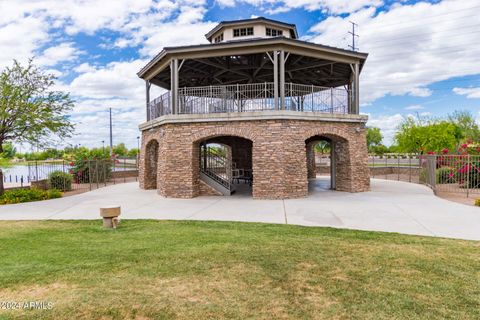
[247,109]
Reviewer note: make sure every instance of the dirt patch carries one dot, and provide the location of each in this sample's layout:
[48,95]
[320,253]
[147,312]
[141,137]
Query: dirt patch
[458,197]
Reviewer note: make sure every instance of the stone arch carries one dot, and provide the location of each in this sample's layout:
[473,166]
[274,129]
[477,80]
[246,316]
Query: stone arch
[219,131]
[239,152]
[151,164]
[340,158]
[350,154]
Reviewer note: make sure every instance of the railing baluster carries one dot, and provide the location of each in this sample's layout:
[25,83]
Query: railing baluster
[251,97]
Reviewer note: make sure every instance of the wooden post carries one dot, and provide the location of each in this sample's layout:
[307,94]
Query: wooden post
[147,98]
[174,85]
[282,80]
[275,78]
[357,90]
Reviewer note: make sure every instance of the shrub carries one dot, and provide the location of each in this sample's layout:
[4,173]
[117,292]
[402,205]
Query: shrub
[28,195]
[477,202]
[446,175]
[470,174]
[60,180]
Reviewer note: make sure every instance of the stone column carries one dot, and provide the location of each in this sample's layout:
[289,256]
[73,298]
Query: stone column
[311,165]
[352,164]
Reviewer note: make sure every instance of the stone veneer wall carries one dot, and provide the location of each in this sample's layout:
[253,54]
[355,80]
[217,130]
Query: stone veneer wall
[279,155]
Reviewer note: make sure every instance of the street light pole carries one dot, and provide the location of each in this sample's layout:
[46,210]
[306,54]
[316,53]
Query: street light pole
[138,144]
[103,146]
[111,135]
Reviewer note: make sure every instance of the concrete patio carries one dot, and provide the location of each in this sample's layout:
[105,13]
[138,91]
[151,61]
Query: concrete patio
[390,206]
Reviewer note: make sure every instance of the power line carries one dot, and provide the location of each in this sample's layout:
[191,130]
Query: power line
[353,36]
[397,54]
[437,15]
[381,28]
[432,32]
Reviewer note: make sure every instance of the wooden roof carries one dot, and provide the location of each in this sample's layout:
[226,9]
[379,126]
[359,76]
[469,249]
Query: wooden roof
[247,62]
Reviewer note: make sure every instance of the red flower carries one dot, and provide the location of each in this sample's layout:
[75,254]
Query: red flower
[72,164]
[445,151]
[465,168]
[430,152]
[464,146]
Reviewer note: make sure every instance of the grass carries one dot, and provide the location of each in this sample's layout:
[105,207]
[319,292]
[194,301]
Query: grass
[201,270]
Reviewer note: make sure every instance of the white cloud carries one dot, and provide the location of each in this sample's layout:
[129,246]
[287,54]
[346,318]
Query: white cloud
[226,3]
[331,6]
[471,93]
[56,54]
[414,107]
[96,89]
[84,67]
[409,46]
[28,26]
[19,39]
[388,126]
[117,79]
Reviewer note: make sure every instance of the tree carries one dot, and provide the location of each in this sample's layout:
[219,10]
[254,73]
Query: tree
[322,147]
[374,141]
[465,121]
[133,152]
[30,110]
[374,137]
[427,135]
[9,151]
[120,149]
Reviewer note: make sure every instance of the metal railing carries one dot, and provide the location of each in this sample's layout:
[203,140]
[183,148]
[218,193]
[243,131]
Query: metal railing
[79,176]
[216,166]
[160,106]
[251,97]
[458,175]
[299,97]
[452,173]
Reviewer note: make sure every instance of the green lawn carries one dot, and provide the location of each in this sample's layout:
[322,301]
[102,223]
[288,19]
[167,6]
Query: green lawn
[201,270]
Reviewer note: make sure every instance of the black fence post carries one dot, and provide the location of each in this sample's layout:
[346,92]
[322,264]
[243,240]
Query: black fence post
[124,168]
[89,175]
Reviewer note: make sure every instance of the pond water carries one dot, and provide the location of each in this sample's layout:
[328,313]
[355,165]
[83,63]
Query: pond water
[14,172]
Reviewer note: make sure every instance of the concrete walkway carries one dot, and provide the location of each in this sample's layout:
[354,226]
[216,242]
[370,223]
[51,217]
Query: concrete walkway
[391,206]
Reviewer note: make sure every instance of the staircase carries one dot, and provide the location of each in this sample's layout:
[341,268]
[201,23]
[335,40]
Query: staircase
[216,170]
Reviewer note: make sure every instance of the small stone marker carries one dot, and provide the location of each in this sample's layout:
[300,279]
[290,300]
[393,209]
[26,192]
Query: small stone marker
[110,216]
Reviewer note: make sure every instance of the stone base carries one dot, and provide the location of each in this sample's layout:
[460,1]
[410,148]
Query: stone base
[280,155]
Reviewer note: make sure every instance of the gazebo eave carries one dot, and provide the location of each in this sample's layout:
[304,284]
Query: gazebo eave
[162,60]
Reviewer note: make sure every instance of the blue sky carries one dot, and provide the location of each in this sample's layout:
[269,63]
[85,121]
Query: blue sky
[423,56]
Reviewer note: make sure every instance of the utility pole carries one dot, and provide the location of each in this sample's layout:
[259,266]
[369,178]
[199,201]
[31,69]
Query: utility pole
[354,36]
[111,135]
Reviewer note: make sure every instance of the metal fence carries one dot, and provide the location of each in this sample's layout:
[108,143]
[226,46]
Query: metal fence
[251,97]
[299,97]
[159,106]
[71,176]
[452,173]
[456,174]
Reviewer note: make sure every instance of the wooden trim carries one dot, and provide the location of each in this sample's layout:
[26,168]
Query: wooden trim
[249,47]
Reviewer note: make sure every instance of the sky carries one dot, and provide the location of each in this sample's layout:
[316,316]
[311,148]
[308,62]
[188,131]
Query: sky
[423,55]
